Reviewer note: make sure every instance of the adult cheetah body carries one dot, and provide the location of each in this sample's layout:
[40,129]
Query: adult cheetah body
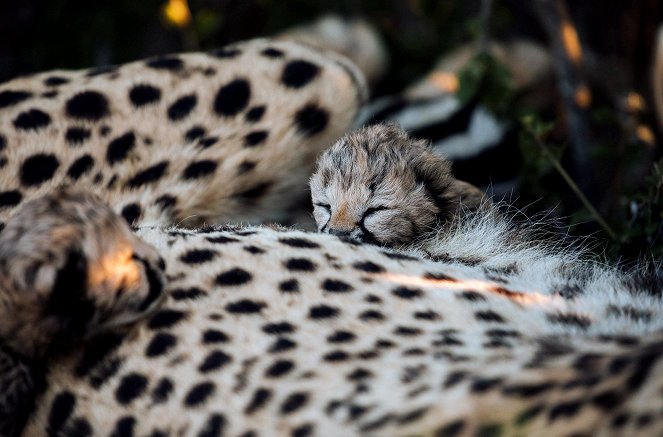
[331,338]
[244,122]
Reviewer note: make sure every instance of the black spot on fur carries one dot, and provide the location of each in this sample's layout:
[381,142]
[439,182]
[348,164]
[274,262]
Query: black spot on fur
[368,266]
[278,328]
[371,315]
[166,318]
[10,198]
[311,119]
[407,293]
[299,243]
[10,97]
[3,143]
[182,107]
[79,167]
[271,52]
[233,277]
[131,213]
[207,142]
[162,391]
[570,319]
[245,306]
[222,239]
[87,105]
[214,360]
[282,344]
[260,397]
[255,138]
[232,98]
[323,312]
[300,264]
[299,73]
[255,114]
[149,175]
[61,409]
[32,119]
[124,427]
[451,430]
[254,192]
[131,387]
[336,286]
[143,94]
[198,256]
[160,344]
[194,133]
[199,169]
[427,315]
[305,430]
[38,169]
[341,337]
[226,52]
[245,167]
[488,316]
[191,293]
[165,63]
[472,296]
[212,336]
[199,394]
[166,202]
[119,148]
[289,286]
[564,409]
[214,426]
[294,402]
[279,368]
[55,81]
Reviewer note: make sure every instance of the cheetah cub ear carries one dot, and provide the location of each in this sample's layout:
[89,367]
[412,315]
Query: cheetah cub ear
[380,186]
[69,267]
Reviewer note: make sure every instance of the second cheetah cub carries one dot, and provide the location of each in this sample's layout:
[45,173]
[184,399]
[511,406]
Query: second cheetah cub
[377,185]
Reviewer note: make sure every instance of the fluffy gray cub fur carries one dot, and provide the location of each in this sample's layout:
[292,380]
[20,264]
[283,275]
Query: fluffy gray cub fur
[378,185]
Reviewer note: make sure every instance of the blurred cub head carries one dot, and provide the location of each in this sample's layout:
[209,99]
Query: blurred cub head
[70,267]
[379,186]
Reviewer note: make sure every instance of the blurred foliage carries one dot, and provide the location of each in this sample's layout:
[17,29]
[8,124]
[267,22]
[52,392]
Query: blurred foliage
[39,35]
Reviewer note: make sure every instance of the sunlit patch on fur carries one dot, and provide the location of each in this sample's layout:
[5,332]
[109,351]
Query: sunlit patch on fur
[525,298]
[116,268]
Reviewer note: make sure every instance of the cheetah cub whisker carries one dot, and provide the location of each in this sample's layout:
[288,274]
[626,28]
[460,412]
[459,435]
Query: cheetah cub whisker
[69,268]
[378,185]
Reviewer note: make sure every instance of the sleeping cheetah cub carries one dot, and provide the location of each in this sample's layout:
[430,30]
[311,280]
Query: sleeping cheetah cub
[377,185]
[93,274]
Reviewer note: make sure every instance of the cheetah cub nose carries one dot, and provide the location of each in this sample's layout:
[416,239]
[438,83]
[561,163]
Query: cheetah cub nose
[380,186]
[70,267]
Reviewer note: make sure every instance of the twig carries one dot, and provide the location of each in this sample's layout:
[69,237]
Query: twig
[568,57]
[484,22]
[571,183]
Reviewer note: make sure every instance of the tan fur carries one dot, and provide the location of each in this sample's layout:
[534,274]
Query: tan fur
[379,185]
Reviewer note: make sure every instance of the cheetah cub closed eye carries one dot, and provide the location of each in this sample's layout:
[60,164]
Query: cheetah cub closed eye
[377,185]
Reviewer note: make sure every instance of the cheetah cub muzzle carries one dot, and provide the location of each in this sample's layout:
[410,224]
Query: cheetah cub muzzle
[69,268]
[379,186]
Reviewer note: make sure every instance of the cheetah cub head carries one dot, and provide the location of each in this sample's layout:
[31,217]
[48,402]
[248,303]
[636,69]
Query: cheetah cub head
[70,267]
[378,185]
